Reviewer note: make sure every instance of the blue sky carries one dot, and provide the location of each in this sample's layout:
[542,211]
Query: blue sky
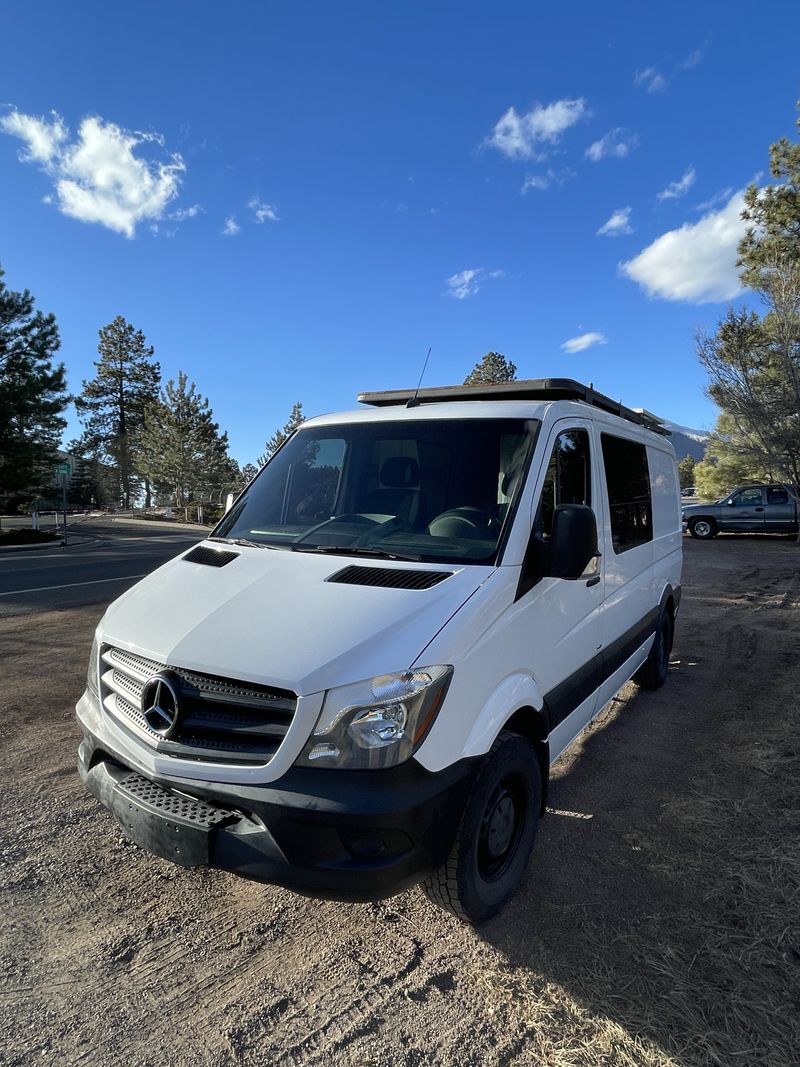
[517,177]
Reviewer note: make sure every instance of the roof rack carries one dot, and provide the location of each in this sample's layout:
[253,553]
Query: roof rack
[530,389]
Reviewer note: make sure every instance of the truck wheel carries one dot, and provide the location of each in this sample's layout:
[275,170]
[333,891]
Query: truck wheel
[496,835]
[653,672]
[703,529]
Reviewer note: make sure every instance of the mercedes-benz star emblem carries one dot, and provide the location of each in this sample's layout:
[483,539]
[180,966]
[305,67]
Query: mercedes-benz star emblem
[160,704]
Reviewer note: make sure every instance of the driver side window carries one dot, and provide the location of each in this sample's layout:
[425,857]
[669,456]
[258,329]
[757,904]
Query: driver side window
[748,498]
[568,478]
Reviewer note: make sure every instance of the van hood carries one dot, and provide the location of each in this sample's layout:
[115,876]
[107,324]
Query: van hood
[272,617]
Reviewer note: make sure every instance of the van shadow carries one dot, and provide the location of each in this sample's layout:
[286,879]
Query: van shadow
[619,902]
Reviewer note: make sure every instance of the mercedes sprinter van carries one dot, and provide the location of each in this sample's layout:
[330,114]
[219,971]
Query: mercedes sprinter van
[360,679]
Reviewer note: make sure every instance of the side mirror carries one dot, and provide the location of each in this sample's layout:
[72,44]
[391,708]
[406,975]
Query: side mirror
[229,502]
[573,541]
[729,503]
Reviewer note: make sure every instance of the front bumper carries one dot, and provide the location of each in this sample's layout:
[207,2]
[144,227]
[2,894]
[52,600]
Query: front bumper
[343,835]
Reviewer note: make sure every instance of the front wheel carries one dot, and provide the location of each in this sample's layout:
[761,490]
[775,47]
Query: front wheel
[496,836]
[653,672]
[703,529]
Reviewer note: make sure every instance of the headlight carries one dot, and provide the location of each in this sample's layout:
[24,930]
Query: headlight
[92,672]
[376,723]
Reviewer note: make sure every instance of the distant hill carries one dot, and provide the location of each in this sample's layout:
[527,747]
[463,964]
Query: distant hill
[686,441]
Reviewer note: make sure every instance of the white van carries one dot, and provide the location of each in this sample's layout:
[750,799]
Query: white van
[360,680]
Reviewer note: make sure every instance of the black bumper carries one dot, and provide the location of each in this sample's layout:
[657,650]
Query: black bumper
[343,835]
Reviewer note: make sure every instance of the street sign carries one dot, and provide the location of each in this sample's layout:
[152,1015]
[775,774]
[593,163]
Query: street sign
[63,468]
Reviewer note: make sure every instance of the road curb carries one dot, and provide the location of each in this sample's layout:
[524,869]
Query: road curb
[164,525]
[29,548]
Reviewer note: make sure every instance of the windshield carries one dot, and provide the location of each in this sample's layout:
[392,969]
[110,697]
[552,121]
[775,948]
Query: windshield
[424,490]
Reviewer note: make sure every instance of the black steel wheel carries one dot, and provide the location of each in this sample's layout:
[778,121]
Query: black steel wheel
[496,835]
[653,672]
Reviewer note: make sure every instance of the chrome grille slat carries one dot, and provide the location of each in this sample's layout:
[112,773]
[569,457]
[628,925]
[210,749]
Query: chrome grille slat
[222,720]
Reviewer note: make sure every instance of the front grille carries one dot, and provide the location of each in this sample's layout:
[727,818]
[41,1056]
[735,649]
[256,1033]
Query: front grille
[220,719]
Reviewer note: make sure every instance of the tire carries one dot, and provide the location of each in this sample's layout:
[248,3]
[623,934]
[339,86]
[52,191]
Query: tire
[703,529]
[496,835]
[653,672]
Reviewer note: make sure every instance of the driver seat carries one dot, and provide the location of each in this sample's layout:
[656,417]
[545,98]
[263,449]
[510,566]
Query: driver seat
[399,494]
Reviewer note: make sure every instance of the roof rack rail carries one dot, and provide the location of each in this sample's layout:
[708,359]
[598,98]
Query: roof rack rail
[530,389]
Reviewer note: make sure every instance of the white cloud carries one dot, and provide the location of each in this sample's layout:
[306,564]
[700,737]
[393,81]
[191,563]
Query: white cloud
[618,224]
[616,144]
[43,139]
[722,197]
[516,136]
[695,263]
[468,282]
[263,212]
[544,181]
[231,227]
[650,80]
[97,176]
[584,340]
[693,59]
[184,213]
[679,188]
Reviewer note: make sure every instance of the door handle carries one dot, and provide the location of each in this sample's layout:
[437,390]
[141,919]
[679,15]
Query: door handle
[593,581]
[759,509]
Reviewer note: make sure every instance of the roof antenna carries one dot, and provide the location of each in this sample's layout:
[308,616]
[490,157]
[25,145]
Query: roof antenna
[414,402]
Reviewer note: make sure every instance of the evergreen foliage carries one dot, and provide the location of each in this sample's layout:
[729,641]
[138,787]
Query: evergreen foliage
[753,361]
[494,367]
[112,405]
[33,392]
[181,449]
[686,469]
[727,463]
[296,419]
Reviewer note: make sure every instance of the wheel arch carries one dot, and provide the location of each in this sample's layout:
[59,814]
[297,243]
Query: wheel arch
[533,725]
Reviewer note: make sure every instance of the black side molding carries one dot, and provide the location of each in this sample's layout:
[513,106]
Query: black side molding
[569,694]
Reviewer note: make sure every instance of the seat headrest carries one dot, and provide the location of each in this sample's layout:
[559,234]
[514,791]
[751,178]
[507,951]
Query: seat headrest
[509,481]
[400,472]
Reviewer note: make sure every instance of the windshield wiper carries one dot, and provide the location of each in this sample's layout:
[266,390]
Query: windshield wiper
[243,541]
[340,550]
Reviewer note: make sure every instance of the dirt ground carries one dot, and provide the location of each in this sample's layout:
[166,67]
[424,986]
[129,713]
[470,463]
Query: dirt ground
[658,924]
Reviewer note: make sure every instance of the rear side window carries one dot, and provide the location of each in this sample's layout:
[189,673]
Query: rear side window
[777,496]
[629,500]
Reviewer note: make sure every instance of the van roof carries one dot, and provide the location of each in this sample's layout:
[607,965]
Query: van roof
[541,389]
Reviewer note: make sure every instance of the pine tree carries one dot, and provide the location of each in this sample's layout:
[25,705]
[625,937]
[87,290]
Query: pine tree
[181,448]
[494,367]
[753,361]
[112,405]
[33,392]
[296,419]
[727,462]
[686,472]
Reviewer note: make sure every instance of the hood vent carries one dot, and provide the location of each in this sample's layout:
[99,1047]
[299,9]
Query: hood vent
[389,578]
[210,557]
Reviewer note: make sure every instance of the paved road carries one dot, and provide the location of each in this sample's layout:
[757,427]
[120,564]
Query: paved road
[104,558]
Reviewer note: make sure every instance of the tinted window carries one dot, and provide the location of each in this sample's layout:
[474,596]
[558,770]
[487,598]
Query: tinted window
[748,498]
[628,481]
[777,496]
[429,489]
[568,479]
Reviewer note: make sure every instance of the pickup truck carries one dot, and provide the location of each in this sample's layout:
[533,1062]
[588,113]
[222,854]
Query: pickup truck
[748,509]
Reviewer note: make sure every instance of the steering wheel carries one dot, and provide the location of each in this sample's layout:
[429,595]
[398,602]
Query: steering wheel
[465,522]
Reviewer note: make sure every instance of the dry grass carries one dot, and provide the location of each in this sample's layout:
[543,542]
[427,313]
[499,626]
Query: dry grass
[714,983]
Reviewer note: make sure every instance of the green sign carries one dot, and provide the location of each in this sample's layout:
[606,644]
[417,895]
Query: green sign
[63,468]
